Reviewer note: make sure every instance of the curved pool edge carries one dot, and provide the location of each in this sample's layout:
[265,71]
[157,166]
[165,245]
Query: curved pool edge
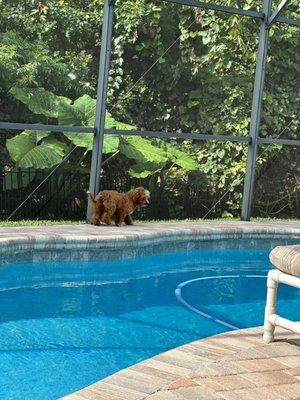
[224,366]
[88,237]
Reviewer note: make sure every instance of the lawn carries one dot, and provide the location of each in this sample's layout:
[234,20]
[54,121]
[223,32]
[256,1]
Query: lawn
[67,222]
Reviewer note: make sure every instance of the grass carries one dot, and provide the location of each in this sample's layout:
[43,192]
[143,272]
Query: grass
[67,222]
[38,223]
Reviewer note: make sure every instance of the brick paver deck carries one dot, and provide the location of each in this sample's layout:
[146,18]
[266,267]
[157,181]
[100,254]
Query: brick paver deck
[232,366]
[236,365]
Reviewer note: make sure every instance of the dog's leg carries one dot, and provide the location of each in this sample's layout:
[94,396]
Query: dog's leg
[108,210]
[128,220]
[96,214]
[120,217]
[95,219]
[97,209]
[106,218]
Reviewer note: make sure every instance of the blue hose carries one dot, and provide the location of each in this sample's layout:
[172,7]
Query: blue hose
[178,294]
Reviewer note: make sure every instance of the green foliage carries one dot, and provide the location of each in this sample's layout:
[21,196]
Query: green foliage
[40,101]
[35,150]
[146,168]
[141,150]
[28,150]
[202,84]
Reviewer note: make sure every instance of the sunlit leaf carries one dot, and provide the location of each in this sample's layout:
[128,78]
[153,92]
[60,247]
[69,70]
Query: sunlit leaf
[39,100]
[141,150]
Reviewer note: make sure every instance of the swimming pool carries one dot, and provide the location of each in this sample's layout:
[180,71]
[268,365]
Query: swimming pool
[65,325]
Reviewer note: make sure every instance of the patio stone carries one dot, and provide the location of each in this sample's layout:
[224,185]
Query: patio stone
[269,378]
[228,382]
[164,395]
[262,364]
[115,390]
[197,393]
[253,394]
[290,361]
[290,391]
[183,382]
[294,371]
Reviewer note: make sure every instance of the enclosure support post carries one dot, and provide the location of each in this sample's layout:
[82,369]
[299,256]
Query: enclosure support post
[106,38]
[256,112]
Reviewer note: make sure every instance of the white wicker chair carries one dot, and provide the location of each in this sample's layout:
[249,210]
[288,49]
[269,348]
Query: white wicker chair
[287,261]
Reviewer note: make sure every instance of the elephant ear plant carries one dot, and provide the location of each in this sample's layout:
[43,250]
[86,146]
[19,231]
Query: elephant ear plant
[44,150]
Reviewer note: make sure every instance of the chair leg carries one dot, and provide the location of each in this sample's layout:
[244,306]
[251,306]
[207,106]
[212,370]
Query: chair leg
[270,309]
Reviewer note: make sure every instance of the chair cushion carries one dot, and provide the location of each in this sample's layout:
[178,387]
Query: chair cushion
[287,259]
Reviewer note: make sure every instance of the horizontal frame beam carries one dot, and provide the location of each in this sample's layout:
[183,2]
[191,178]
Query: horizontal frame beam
[232,10]
[179,135]
[217,7]
[276,14]
[16,126]
[288,21]
[289,142]
[164,135]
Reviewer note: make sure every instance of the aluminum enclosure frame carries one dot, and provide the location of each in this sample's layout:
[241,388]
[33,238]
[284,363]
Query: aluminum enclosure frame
[267,19]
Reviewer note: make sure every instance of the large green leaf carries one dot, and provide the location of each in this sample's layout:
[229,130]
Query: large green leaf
[111,144]
[112,123]
[25,152]
[70,115]
[58,146]
[181,158]
[123,126]
[37,136]
[84,140]
[142,150]
[41,157]
[80,113]
[87,107]
[145,169]
[40,101]
[20,145]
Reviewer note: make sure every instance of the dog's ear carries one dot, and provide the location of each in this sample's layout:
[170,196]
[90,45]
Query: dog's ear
[138,193]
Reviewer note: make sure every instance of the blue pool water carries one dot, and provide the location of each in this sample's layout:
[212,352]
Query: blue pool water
[65,325]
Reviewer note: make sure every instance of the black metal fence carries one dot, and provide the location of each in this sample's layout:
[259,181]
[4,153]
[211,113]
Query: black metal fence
[63,197]
[55,199]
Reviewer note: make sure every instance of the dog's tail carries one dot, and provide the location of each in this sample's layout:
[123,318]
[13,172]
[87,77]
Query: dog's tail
[91,197]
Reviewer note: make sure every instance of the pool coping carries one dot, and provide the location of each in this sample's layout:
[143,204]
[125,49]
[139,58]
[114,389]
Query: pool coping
[90,237]
[145,380]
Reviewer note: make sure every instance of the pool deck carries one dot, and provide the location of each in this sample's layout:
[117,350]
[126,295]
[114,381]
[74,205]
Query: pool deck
[232,366]
[235,365]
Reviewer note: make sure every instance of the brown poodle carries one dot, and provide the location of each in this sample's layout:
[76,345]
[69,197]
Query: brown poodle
[110,202]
